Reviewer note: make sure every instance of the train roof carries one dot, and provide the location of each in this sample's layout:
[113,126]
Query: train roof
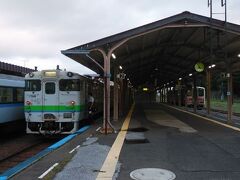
[53,73]
[11,81]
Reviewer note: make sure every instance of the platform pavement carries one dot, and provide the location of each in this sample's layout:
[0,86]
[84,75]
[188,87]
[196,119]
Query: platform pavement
[212,152]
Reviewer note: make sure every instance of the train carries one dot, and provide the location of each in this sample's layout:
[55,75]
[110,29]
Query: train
[200,97]
[56,101]
[186,97]
[11,99]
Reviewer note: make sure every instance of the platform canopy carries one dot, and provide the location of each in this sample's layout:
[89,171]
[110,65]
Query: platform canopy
[165,50]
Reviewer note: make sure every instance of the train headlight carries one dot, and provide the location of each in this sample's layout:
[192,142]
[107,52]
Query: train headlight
[69,74]
[73,103]
[31,75]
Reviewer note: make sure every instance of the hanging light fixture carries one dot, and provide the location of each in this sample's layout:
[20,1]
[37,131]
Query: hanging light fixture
[114,56]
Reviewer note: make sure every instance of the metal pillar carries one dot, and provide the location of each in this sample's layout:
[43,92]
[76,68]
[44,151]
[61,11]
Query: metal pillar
[229,95]
[194,94]
[160,98]
[167,95]
[174,95]
[179,93]
[160,95]
[208,91]
[106,114]
[115,108]
[107,56]
[121,97]
[164,94]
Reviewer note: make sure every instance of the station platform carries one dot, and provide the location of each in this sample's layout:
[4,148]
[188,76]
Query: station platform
[154,141]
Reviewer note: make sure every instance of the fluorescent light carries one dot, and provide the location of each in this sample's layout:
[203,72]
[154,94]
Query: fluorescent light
[145,89]
[180,79]
[213,65]
[113,55]
[190,74]
[238,55]
[209,67]
[120,67]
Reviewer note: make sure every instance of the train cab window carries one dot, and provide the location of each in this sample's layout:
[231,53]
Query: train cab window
[32,85]
[6,95]
[69,85]
[50,88]
[200,92]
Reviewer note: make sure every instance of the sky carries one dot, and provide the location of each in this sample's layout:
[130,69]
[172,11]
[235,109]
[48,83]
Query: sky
[32,33]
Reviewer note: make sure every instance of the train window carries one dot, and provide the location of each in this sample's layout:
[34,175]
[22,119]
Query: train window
[50,88]
[6,95]
[69,85]
[200,92]
[189,93]
[32,85]
[19,94]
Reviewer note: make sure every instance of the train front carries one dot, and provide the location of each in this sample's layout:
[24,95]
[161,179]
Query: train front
[52,102]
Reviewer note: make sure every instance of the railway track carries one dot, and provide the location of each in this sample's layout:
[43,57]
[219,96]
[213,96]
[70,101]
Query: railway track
[19,149]
[224,112]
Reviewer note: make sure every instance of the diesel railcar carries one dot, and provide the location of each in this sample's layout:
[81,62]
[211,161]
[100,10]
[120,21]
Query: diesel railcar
[56,101]
[200,97]
[11,99]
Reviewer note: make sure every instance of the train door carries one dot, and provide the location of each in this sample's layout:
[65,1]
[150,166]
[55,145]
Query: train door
[83,99]
[50,101]
[201,96]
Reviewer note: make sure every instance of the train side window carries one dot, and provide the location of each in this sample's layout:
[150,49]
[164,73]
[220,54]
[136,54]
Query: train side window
[20,93]
[50,88]
[6,95]
[32,85]
[69,85]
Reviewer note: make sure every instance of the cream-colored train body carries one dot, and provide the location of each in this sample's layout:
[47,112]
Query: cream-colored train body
[56,101]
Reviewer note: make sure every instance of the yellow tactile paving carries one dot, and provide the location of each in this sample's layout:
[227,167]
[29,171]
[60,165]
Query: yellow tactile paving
[205,118]
[109,166]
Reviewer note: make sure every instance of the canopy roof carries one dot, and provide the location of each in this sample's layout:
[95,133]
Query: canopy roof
[163,51]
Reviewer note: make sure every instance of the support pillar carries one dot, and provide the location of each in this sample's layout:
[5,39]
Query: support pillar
[167,95]
[161,95]
[230,99]
[121,97]
[115,108]
[194,94]
[179,93]
[208,91]
[106,113]
[174,95]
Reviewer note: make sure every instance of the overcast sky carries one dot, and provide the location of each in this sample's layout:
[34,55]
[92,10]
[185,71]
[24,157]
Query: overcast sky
[32,33]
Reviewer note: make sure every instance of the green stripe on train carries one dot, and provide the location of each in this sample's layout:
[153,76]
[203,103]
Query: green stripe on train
[55,108]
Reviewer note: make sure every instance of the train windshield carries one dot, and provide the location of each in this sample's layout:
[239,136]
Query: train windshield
[32,85]
[69,85]
[189,93]
[200,92]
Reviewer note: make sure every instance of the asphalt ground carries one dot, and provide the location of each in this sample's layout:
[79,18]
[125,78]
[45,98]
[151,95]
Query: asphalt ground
[189,146]
[211,153]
